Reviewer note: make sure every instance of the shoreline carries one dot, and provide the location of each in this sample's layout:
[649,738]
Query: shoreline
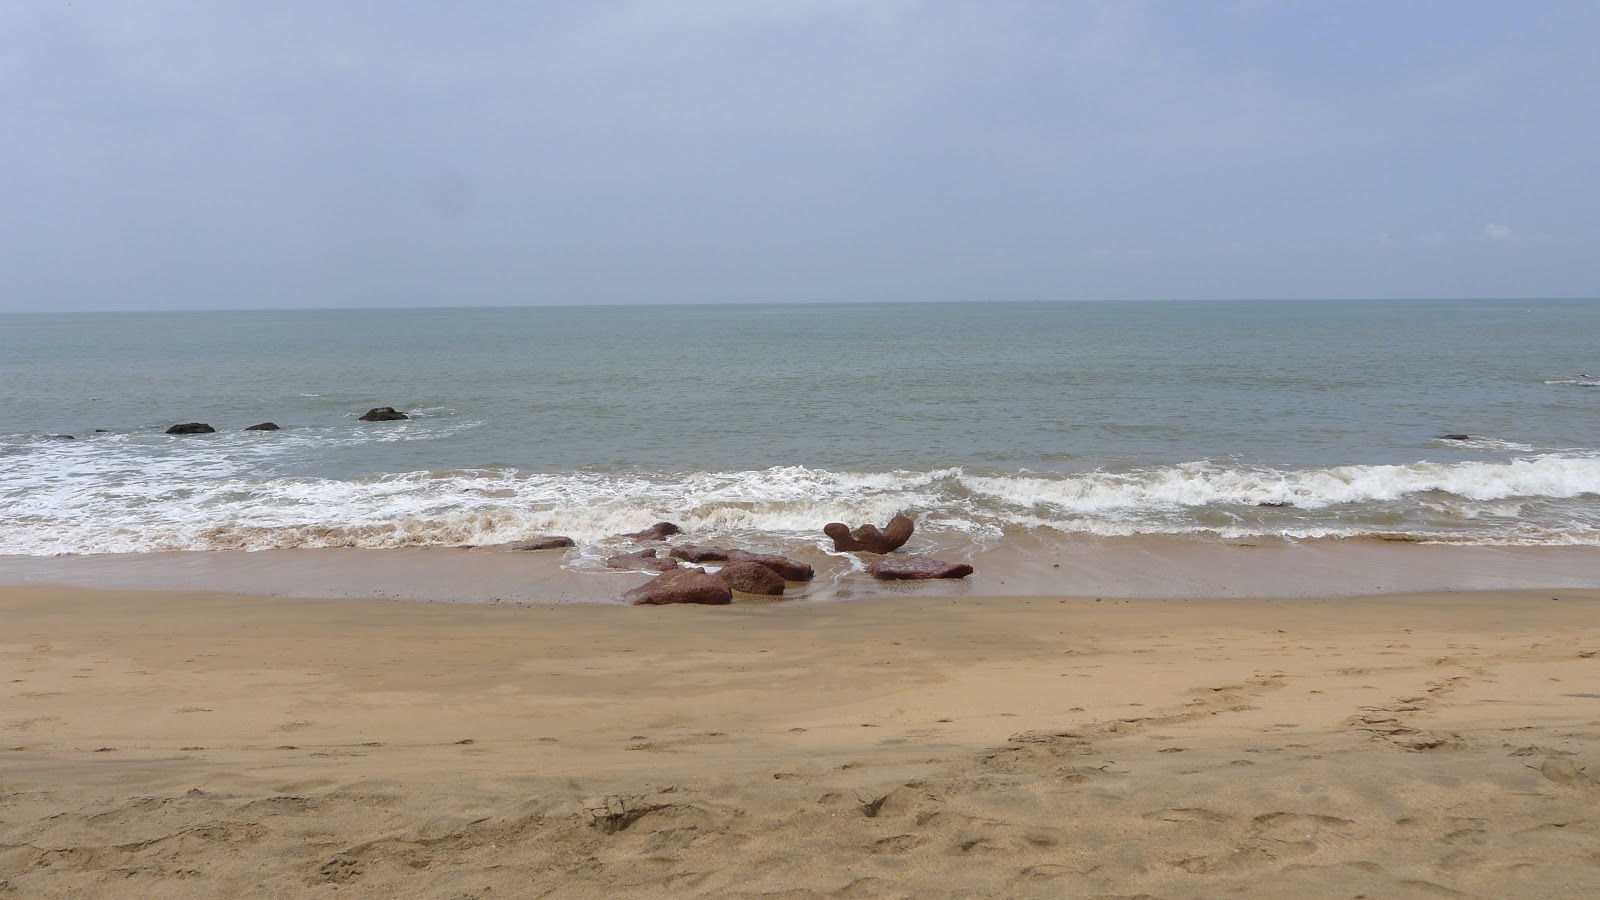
[1137,567]
[197,744]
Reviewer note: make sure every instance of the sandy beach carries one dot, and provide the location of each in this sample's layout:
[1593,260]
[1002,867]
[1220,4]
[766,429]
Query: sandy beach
[188,744]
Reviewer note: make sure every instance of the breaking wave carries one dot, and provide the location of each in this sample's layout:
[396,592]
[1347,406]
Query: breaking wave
[68,497]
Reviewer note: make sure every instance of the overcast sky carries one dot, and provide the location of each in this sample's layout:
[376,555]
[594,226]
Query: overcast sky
[204,154]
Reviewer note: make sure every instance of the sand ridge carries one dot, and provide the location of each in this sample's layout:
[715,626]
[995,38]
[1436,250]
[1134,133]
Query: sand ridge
[205,745]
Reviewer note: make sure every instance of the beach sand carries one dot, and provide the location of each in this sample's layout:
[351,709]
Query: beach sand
[186,744]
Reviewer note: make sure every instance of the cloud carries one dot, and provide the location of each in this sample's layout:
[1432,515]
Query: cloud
[1497,232]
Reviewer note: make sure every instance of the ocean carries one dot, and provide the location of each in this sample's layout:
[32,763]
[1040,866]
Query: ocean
[755,425]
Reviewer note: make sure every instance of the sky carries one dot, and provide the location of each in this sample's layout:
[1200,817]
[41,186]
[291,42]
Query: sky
[190,154]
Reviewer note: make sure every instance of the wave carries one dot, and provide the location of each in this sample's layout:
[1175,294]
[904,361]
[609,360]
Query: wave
[74,498]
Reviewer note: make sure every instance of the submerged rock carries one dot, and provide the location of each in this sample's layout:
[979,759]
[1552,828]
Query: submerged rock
[752,578]
[790,569]
[916,568]
[698,554]
[384,414]
[1455,437]
[191,428]
[869,538]
[660,531]
[546,542]
[682,586]
[1275,504]
[642,559]
[264,426]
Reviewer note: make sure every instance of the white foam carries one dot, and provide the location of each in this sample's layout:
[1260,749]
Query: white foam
[124,493]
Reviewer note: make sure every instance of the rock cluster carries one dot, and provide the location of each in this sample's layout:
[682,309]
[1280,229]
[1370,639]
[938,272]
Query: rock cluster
[642,559]
[687,585]
[660,531]
[916,568]
[383,414]
[868,538]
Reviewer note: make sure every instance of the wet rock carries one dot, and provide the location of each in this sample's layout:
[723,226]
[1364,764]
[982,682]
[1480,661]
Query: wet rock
[264,426]
[752,578]
[546,542]
[660,531]
[688,585]
[642,559]
[191,428]
[916,568]
[869,538]
[1455,437]
[384,414]
[59,437]
[698,554]
[1275,504]
[790,569]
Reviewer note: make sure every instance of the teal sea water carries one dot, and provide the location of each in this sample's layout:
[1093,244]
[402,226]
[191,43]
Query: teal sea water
[760,423]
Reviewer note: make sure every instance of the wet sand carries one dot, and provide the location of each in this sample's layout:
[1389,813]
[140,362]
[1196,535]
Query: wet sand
[1146,566]
[173,744]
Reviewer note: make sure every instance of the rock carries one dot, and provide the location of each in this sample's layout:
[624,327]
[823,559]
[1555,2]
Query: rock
[191,428]
[660,531]
[59,437]
[687,585]
[697,554]
[790,569]
[1455,437]
[916,568]
[384,414]
[642,559]
[546,542]
[1275,504]
[869,538]
[264,426]
[752,578]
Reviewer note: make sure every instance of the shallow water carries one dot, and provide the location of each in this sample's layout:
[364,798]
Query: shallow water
[760,423]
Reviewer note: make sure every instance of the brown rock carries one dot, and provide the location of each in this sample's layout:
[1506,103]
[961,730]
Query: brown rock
[688,585]
[752,578]
[697,554]
[642,559]
[545,542]
[916,568]
[869,538]
[264,426]
[191,428]
[790,569]
[383,414]
[660,531]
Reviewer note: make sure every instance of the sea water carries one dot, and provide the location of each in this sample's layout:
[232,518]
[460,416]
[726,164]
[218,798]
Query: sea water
[757,424]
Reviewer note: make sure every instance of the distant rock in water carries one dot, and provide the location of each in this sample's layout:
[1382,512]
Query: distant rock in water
[869,538]
[192,428]
[384,414]
[264,426]
[682,586]
[643,559]
[698,554]
[1275,504]
[916,568]
[752,578]
[59,437]
[660,531]
[790,569]
[1455,437]
[546,542]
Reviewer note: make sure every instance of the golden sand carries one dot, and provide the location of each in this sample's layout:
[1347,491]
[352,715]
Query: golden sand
[160,744]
